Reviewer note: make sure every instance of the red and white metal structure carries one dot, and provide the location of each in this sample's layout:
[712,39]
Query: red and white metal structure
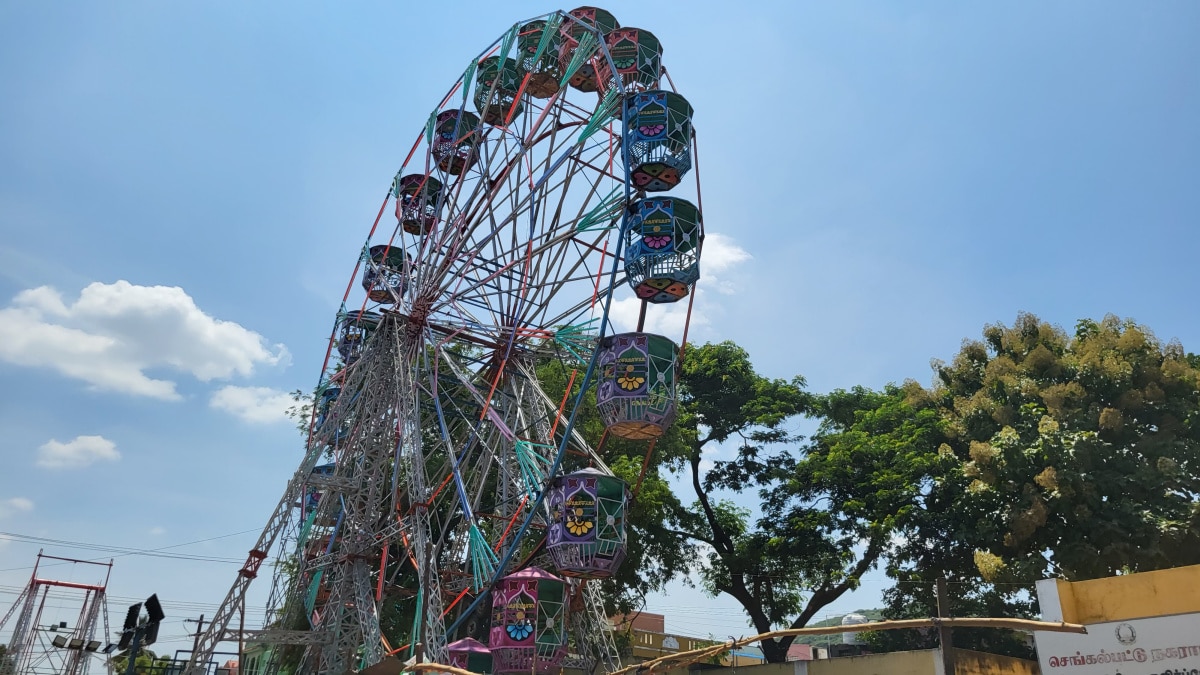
[32,649]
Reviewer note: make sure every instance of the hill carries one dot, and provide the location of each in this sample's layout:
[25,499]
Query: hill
[825,640]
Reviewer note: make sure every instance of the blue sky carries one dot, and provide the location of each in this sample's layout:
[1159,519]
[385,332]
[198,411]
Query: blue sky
[883,181]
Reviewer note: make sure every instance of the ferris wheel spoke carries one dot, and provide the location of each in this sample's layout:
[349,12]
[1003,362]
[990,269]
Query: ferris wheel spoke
[533,268]
[550,412]
[545,293]
[484,451]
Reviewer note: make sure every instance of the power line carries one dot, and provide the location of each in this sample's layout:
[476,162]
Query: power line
[186,606]
[122,551]
[12,590]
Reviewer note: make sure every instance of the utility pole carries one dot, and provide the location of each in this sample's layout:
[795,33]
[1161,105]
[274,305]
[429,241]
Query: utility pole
[199,632]
[943,610]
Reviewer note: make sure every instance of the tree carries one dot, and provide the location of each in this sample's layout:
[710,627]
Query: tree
[1086,448]
[829,506]
[146,663]
[7,664]
[1075,456]
[858,484]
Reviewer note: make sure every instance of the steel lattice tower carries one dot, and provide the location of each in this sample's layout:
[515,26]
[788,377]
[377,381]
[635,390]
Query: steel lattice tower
[31,651]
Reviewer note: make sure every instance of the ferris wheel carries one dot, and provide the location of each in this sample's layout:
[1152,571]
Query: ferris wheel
[446,485]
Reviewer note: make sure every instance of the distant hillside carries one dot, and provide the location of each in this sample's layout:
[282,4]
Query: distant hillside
[822,640]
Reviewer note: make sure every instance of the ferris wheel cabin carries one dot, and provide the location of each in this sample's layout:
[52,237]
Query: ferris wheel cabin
[497,84]
[383,275]
[585,78]
[353,330]
[586,536]
[529,623]
[538,45]
[470,654]
[417,197]
[636,389]
[662,248]
[456,133]
[658,139]
[637,56]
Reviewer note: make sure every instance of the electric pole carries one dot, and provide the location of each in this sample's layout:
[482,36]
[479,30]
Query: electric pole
[199,632]
[944,636]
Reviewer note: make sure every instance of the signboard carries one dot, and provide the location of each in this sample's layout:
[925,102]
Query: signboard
[1162,645]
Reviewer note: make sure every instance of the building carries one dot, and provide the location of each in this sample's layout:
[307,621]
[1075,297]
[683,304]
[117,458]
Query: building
[1138,624]
[648,639]
[800,652]
[256,656]
[922,662]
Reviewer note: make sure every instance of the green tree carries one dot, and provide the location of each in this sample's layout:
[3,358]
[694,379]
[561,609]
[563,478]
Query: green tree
[146,663]
[858,483]
[829,506]
[6,662]
[1076,456]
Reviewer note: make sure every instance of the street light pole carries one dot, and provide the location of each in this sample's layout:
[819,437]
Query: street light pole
[135,633]
[134,647]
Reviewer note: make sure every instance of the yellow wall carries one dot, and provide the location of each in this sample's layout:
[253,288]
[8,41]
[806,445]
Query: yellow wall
[924,662]
[978,663]
[894,663]
[1131,596]
[647,645]
[757,669]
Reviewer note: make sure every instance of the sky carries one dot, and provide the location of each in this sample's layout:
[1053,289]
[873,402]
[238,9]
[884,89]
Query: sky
[185,187]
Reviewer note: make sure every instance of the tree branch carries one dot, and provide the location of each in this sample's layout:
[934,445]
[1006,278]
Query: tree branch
[737,589]
[691,535]
[721,539]
[825,595]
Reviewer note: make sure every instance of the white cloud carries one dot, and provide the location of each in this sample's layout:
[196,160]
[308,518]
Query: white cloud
[664,319]
[15,505]
[77,453]
[113,333]
[258,405]
[157,531]
[11,507]
[721,254]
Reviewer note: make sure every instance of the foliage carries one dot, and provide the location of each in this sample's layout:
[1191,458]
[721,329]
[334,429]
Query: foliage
[851,484]
[146,663]
[1066,455]
[1077,455]
[858,484]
